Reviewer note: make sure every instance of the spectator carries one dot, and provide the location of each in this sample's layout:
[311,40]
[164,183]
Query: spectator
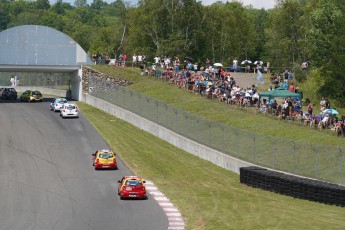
[327,104]
[322,104]
[134,60]
[310,109]
[285,86]
[235,64]
[124,57]
[292,88]
[140,59]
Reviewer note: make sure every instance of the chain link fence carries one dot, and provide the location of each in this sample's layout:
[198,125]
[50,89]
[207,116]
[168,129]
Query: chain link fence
[49,80]
[297,157]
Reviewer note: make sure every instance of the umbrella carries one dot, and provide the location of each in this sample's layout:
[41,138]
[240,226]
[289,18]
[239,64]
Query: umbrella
[246,62]
[330,112]
[258,62]
[189,59]
[218,64]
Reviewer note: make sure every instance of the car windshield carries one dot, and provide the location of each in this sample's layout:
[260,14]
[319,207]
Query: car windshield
[70,107]
[62,101]
[133,182]
[36,93]
[105,155]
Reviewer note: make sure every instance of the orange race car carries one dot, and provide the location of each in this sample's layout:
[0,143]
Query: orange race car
[104,159]
[132,187]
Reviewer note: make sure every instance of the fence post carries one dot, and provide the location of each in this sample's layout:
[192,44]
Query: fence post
[223,138]
[274,155]
[186,116]
[237,143]
[316,161]
[210,127]
[341,166]
[176,111]
[254,153]
[294,156]
[156,102]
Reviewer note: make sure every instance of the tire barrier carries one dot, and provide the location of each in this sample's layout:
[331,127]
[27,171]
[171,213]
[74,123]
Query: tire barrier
[297,187]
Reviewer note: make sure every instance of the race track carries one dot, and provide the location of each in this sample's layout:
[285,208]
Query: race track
[47,180]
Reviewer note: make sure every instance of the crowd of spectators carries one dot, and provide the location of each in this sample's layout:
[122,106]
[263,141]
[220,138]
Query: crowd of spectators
[218,83]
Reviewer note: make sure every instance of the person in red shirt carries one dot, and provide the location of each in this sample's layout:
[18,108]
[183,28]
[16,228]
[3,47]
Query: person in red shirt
[292,88]
[124,57]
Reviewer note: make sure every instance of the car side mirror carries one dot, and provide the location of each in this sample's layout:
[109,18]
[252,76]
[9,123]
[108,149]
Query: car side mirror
[119,181]
[93,154]
[144,181]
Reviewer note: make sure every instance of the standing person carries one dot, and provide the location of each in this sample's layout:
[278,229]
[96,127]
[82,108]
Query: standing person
[235,64]
[134,60]
[157,60]
[124,57]
[292,88]
[327,104]
[176,66]
[207,63]
[286,75]
[322,104]
[140,59]
[144,60]
[290,76]
[310,109]
[120,60]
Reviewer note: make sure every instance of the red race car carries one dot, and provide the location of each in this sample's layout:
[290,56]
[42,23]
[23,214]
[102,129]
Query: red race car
[104,159]
[132,187]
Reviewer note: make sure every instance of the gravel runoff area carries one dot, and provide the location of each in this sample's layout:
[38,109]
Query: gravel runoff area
[245,80]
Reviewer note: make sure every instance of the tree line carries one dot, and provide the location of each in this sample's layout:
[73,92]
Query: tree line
[294,31]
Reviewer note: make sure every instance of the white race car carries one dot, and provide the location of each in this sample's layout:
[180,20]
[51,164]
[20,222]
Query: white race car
[69,110]
[57,103]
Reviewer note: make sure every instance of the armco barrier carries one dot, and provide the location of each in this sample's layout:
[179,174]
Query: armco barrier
[302,188]
[204,152]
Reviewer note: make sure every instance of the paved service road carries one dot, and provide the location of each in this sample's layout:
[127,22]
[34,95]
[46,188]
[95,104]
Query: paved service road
[47,180]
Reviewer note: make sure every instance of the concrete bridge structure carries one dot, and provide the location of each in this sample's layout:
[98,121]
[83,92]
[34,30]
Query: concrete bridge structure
[40,49]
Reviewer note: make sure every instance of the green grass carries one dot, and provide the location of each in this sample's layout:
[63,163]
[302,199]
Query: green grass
[231,115]
[208,196]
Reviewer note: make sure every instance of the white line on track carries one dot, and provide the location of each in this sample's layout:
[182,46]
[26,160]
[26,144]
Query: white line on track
[174,216]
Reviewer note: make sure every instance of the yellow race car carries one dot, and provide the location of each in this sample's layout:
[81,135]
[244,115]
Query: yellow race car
[104,159]
[31,95]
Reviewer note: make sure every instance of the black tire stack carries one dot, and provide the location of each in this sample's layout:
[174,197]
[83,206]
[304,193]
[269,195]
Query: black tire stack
[297,187]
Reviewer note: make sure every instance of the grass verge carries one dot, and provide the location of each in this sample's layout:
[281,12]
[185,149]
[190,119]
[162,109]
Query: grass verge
[231,115]
[208,196]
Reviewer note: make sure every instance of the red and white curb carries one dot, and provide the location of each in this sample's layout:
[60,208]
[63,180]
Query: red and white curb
[174,216]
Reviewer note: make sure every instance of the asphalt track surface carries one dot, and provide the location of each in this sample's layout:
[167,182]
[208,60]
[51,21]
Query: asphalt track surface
[47,180]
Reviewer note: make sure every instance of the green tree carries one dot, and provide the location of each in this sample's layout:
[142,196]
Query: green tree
[327,36]
[79,3]
[42,4]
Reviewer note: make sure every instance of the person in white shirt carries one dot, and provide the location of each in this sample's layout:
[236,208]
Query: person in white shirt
[134,60]
[235,64]
[157,60]
[140,59]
